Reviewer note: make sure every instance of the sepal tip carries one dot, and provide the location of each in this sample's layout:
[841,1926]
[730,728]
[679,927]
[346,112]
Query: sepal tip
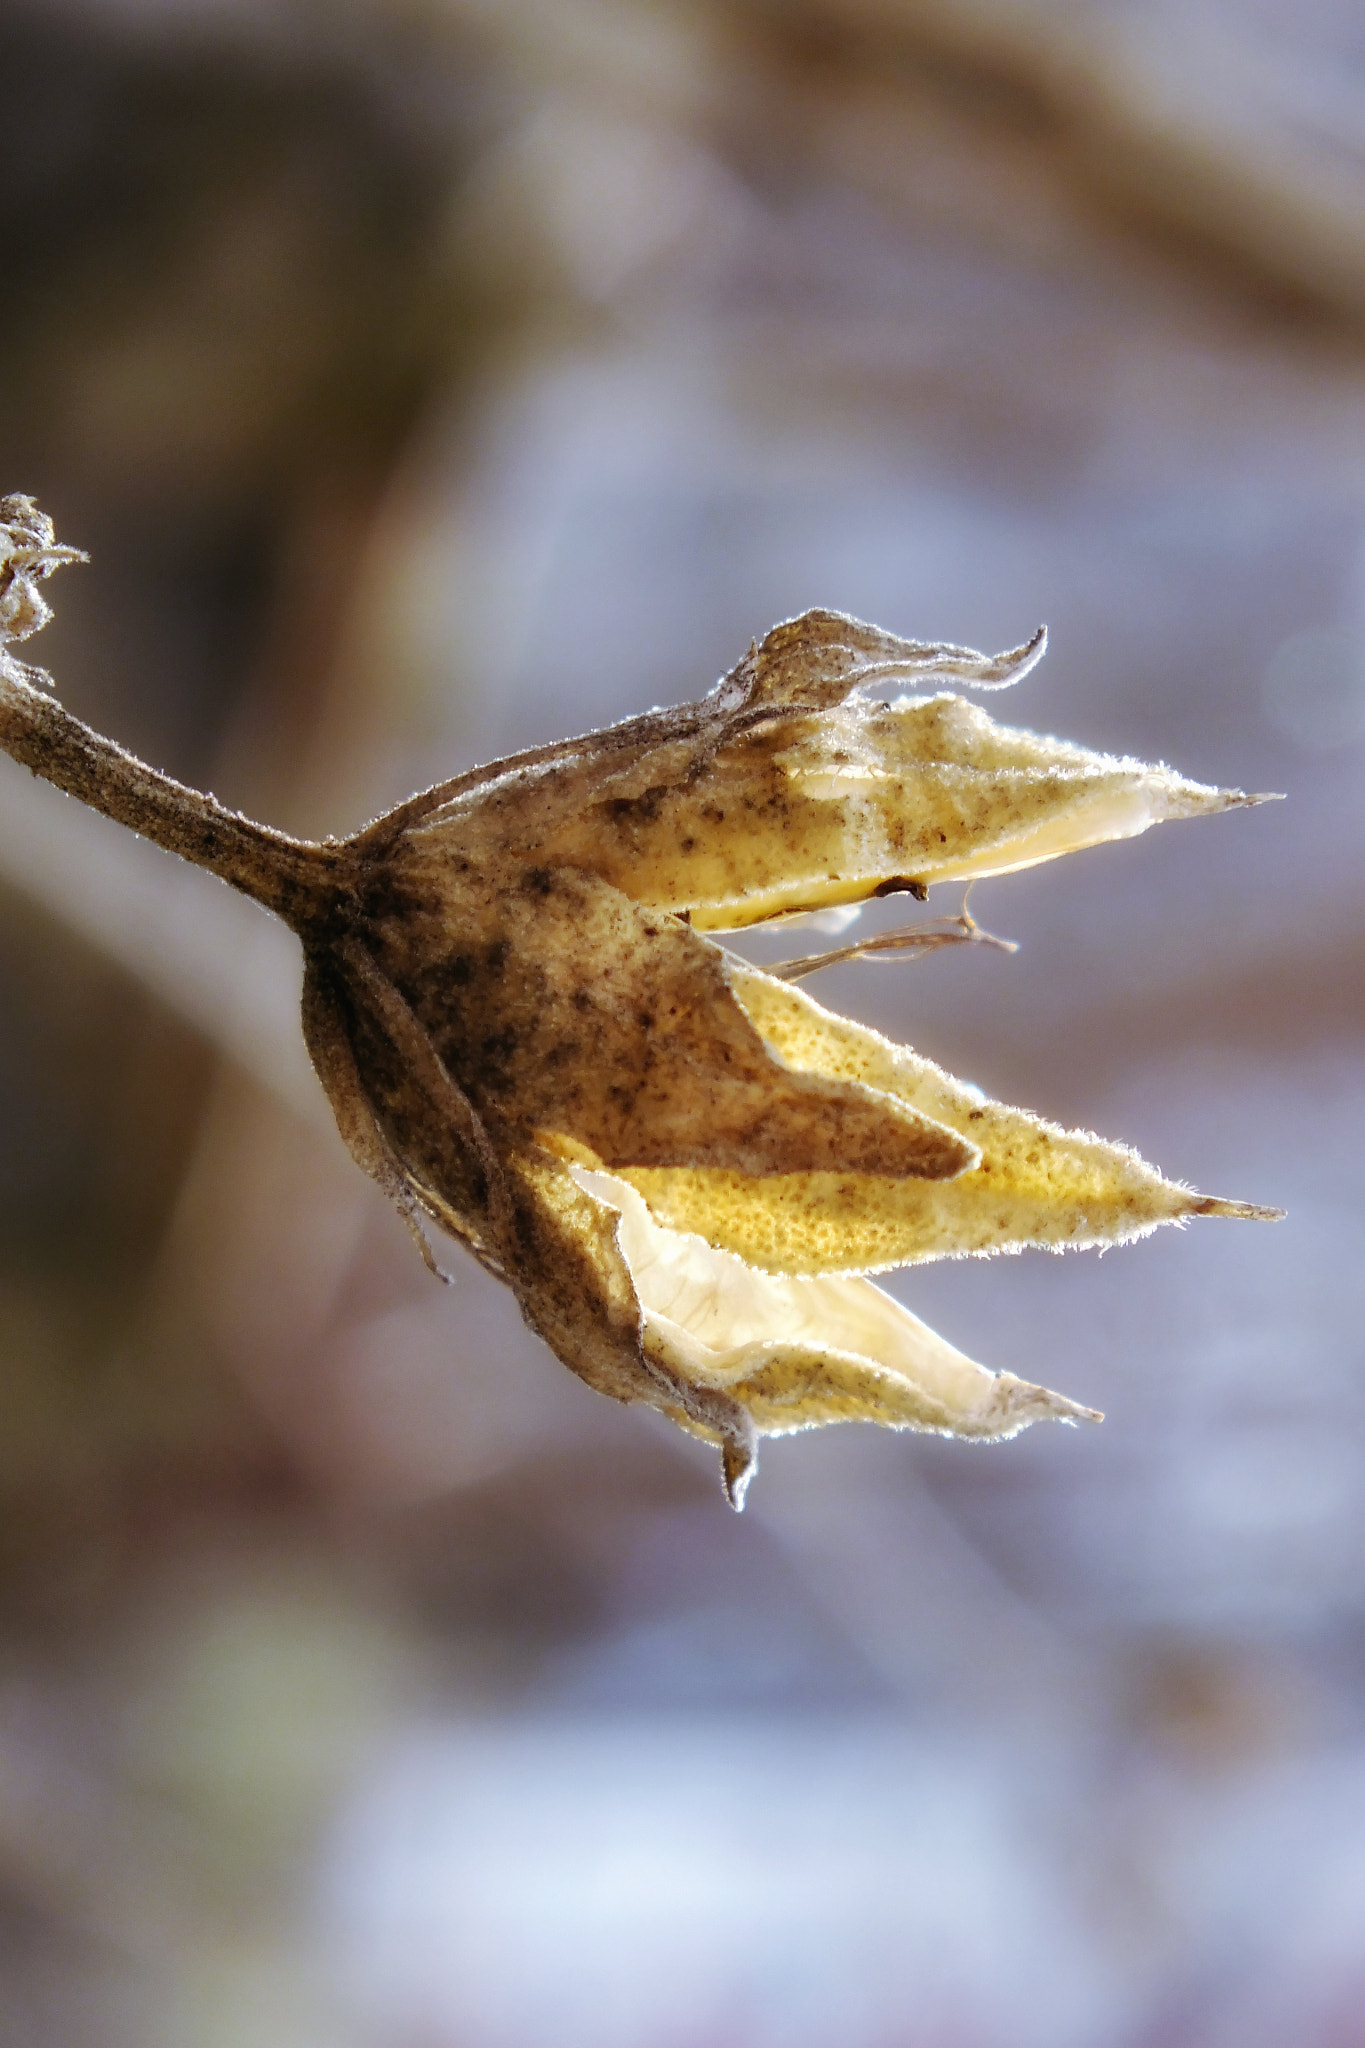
[1249,1212]
[738,1464]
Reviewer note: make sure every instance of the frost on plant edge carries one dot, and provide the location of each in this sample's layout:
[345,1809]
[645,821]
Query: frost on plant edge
[684,1167]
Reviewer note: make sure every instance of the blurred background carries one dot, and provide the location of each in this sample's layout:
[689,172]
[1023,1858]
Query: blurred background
[429,378]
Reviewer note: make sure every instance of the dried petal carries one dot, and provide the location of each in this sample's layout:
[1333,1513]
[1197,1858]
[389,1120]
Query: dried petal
[800,1353]
[804,812]
[784,791]
[562,1255]
[1035,1185]
[562,1006]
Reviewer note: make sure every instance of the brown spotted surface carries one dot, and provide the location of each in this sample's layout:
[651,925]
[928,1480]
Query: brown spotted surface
[661,1149]
[681,1166]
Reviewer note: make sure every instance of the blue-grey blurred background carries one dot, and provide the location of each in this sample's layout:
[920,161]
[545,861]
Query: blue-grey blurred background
[432,377]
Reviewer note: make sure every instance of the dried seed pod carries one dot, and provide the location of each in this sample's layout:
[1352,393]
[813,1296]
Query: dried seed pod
[681,1166]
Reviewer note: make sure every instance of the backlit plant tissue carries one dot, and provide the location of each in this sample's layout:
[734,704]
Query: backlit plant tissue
[683,1168]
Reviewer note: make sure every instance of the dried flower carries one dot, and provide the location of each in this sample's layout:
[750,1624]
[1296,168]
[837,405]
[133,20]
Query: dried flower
[683,1167]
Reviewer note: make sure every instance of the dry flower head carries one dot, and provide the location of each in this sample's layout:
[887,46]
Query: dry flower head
[684,1168]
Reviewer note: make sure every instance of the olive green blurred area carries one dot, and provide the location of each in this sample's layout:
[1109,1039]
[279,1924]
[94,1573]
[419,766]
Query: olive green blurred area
[430,378]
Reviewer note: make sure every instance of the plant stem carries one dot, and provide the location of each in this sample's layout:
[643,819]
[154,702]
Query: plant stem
[296,878]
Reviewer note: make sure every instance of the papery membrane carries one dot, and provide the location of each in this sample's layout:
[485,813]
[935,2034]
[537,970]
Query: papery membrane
[798,1353]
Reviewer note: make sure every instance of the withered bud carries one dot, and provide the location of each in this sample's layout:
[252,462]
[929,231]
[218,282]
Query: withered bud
[28,552]
[682,1166]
